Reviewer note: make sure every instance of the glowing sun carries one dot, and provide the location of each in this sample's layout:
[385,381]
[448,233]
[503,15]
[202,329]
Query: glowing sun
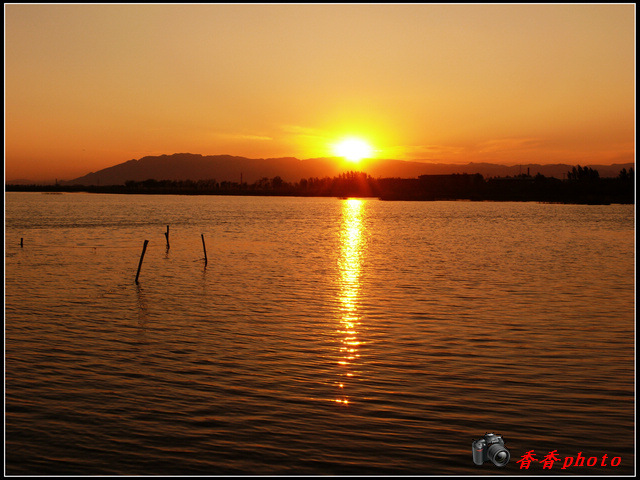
[353,149]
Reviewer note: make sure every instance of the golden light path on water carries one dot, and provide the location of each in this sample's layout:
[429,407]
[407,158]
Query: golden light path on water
[350,266]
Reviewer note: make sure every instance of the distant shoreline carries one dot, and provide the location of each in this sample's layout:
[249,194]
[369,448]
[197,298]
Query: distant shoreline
[586,188]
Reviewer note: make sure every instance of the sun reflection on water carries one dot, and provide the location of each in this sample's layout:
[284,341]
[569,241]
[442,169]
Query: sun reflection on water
[350,266]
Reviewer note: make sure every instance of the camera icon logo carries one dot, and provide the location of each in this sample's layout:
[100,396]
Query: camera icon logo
[490,447]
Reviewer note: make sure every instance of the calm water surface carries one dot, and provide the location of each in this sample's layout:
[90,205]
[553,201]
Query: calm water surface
[322,337]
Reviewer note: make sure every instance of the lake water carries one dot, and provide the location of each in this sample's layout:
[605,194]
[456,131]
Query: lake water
[323,336]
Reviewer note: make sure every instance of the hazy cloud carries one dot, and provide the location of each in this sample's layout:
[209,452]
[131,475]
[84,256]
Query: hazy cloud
[241,136]
[507,145]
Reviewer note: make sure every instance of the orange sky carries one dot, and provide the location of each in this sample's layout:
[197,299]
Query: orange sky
[91,86]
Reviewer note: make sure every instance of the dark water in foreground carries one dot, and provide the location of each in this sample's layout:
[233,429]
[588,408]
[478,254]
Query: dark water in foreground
[323,337]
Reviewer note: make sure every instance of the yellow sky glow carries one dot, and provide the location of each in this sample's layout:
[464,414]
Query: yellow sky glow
[91,86]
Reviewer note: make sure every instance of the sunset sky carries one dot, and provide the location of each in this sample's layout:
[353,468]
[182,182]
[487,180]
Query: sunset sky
[91,86]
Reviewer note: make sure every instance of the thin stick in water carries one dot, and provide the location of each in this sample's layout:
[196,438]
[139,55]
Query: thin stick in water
[144,249]
[21,244]
[204,247]
[167,235]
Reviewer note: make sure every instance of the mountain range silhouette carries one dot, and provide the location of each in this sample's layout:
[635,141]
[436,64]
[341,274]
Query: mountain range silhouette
[188,166]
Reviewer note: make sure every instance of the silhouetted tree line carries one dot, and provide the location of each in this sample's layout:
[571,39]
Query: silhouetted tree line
[583,174]
[583,185]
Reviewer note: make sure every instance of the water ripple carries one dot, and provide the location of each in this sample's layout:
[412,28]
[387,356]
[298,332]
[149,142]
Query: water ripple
[322,337]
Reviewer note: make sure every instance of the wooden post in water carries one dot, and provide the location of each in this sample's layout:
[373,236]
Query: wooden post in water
[204,247]
[144,249]
[21,242]
[167,235]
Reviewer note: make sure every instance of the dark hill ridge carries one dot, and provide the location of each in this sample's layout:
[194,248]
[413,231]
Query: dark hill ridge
[188,166]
